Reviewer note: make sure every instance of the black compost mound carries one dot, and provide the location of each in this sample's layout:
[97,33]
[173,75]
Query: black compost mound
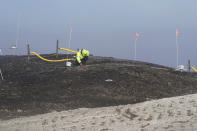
[34,87]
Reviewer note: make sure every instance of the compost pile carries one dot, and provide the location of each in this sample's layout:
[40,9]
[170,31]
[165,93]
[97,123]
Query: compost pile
[35,86]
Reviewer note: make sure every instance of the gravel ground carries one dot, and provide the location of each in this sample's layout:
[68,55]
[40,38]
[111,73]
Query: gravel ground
[174,114]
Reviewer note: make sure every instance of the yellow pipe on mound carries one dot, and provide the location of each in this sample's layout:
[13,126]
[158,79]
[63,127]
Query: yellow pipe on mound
[194,69]
[44,59]
[68,50]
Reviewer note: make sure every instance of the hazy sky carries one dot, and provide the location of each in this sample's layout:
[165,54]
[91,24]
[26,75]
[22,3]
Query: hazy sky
[105,27]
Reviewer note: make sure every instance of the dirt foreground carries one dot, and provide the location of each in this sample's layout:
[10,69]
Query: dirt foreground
[176,113]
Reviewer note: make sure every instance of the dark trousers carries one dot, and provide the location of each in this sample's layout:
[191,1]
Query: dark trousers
[83,61]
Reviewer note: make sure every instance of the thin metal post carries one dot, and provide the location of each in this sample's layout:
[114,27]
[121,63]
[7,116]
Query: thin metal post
[70,38]
[18,30]
[28,51]
[57,48]
[70,35]
[189,66]
[177,52]
[135,49]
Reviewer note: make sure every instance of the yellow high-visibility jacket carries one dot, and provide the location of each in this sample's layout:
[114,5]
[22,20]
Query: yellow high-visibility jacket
[81,54]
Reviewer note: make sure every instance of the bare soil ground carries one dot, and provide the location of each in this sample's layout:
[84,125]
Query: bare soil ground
[168,114]
[37,87]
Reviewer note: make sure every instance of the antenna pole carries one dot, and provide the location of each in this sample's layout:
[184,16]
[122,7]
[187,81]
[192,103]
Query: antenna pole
[189,65]
[18,28]
[135,49]
[57,47]
[177,51]
[70,37]
[28,51]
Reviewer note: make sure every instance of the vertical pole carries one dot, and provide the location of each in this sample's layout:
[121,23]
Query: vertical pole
[57,47]
[135,49]
[70,36]
[18,30]
[189,66]
[28,51]
[177,52]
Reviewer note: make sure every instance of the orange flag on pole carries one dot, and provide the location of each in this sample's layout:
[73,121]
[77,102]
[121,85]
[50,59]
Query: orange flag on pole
[137,34]
[177,32]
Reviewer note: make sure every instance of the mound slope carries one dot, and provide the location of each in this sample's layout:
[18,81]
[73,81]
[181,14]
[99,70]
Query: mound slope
[36,86]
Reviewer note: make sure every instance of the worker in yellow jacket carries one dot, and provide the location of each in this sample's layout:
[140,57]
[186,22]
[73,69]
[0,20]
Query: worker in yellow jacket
[82,57]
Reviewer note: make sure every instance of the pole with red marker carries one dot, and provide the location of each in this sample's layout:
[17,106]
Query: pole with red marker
[137,35]
[177,48]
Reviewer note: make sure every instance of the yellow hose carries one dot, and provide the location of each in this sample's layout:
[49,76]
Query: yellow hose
[68,50]
[193,68]
[48,59]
